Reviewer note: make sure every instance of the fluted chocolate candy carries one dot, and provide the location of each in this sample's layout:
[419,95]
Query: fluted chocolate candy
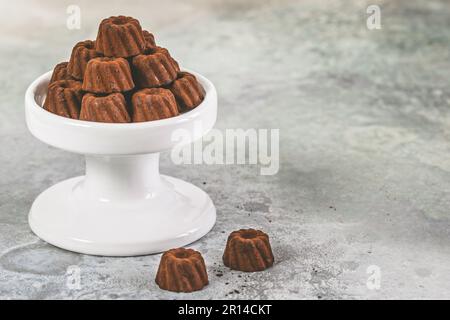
[64,98]
[120,37]
[181,270]
[188,92]
[248,250]
[109,108]
[107,75]
[154,68]
[149,40]
[81,54]
[153,104]
[60,73]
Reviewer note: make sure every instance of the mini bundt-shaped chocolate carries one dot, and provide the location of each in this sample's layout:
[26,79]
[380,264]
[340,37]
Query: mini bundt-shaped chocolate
[149,39]
[153,104]
[109,108]
[248,250]
[107,75]
[187,90]
[120,37]
[154,68]
[64,98]
[81,54]
[60,73]
[182,270]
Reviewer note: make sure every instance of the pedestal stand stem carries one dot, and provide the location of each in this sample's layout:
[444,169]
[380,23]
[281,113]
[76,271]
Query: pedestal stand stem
[122,177]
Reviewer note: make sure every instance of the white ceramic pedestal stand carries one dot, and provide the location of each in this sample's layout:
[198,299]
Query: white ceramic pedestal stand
[122,206]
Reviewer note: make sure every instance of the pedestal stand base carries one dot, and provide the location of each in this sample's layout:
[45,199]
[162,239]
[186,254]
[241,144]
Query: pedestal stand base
[174,215]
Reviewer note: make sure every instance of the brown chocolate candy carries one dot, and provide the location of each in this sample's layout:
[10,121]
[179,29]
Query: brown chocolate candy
[107,75]
[187,90]
[109,108]
[153,104]
[60,73]
[181,270]
[64,98]
[248,250]
[154,68]
[81,54]
[120,37]
[149,40]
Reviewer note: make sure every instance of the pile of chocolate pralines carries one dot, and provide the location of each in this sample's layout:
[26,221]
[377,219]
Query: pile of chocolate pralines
[122,76]
[184,270]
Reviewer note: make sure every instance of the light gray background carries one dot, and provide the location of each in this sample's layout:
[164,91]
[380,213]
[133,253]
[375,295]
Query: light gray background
[364,123]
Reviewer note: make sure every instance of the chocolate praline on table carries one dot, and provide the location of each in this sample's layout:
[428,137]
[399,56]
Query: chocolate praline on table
[82,52]
[107,75]
[64,98]
[153,104]
[181,270]
[120,36]
[108,108]
[188,92]
[154,68]
[248,250]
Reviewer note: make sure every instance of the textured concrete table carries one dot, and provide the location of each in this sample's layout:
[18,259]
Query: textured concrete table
[364,119]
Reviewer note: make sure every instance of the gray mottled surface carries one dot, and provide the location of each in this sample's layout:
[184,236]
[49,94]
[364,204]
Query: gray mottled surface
[364,119]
